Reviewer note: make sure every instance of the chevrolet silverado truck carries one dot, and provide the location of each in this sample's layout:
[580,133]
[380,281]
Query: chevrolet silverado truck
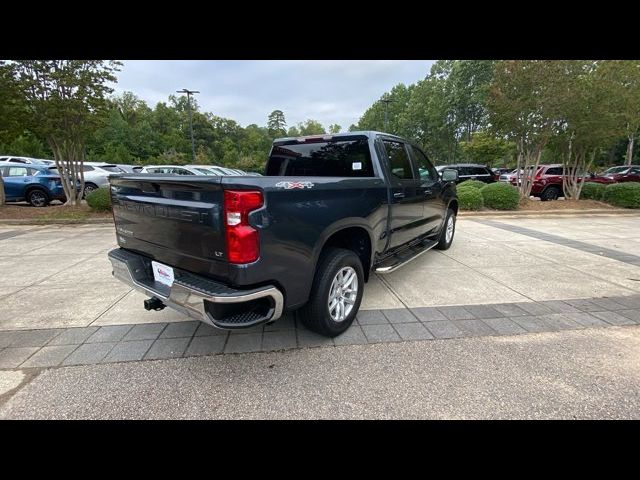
[235,252]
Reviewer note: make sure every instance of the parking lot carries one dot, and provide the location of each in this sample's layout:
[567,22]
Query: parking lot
[550,303]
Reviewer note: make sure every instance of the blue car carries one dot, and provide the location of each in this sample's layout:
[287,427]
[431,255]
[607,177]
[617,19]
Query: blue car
[33,182]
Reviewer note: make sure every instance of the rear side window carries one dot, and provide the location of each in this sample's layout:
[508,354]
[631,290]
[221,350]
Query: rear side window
[112,169]
[344,157]
[87,168]
[18,172]
[398,159]
[554,171]
[481,171]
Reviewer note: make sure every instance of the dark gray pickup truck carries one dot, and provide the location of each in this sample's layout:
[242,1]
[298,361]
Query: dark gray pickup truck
[238,251]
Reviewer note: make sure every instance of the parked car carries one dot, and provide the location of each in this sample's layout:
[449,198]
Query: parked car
[236,252]
[623,173]
[127,168]
[175,170]
[219,170]
[501,170]
[96,174]
[27,160]
[548,181]
[472,171]
[33,183]
[508,176]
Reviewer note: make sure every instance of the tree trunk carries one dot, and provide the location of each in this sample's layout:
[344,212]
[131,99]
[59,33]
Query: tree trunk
[630,149]
[2,197]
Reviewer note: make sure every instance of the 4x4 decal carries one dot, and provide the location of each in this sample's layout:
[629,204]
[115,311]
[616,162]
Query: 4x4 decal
[294,185]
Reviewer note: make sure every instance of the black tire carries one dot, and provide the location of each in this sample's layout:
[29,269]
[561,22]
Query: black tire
[88,188]
[443,242]
[315,314]
[550,193]
[38,198]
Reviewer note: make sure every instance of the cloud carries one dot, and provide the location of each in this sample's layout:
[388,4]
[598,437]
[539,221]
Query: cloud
[330,91]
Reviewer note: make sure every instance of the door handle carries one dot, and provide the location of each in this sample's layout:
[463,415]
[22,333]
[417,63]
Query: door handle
[398,195]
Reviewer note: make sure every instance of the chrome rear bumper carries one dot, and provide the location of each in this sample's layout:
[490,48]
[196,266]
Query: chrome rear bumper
[198,297]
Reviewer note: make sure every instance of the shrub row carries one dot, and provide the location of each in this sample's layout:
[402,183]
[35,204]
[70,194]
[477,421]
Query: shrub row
[474,195]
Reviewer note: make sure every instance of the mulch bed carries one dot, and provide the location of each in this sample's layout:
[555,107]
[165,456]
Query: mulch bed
[538,206]
[52,212]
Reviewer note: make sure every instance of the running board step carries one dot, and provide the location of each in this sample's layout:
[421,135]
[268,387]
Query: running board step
[403,257]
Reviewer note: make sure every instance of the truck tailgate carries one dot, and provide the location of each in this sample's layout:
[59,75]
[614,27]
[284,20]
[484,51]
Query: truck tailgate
[175,220]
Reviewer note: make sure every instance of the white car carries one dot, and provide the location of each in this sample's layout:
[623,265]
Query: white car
[96,174]
[29,160]
[220,170]
[176,170]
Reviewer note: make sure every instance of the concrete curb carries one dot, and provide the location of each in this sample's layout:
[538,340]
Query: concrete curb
[494,213]
[551,213]
[90,221]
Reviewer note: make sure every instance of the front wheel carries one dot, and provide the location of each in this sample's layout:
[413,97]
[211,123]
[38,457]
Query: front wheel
[448,230]
[88,188]
[38,198]
[336,293]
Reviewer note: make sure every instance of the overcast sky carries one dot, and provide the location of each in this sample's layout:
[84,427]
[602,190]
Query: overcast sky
[337,91]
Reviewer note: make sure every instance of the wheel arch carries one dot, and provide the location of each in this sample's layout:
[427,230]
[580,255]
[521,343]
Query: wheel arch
[355,236]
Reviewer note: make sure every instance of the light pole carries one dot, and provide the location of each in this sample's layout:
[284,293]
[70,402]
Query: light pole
[189,93]
[386,112]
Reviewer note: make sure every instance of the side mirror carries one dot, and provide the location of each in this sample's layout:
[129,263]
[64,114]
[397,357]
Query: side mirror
[449,175]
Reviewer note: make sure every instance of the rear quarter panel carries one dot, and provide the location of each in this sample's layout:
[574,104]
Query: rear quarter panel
[295,223]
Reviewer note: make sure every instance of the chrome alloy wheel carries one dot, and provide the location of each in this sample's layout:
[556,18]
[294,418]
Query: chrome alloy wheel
[343,294]
[449,232]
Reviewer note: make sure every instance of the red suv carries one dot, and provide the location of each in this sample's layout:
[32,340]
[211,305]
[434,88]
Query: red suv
[547,183]
[623,174]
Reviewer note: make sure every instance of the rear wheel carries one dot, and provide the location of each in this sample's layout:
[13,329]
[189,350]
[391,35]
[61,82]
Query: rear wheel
[38,198]
[448,230]
[336,293]
[550,193]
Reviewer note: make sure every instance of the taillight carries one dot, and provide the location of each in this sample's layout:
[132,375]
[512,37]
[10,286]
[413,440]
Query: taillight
[243,242]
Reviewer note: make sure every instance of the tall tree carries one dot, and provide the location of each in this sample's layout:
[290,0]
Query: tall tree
[65,100]
[623,78]
[587,118]
[11,110]
[277,124]
[521,107]
[335,128]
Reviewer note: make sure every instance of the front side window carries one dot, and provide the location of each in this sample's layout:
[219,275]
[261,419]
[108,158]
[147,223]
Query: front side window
[398,159]
[87,168]
[425,168]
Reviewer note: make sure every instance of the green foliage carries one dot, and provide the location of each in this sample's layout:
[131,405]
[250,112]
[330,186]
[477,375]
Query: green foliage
[99,199]
[335,128]
[625,195]
[470,199]
[488,149]
[471,183]
[311,127]
[500,196]
[277,124]
[592,191]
